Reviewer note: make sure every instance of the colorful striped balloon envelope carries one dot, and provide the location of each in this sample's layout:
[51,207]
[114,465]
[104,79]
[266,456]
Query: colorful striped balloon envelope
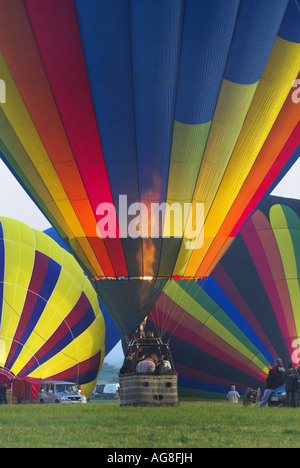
[164,101]
[122,118]
[224,330]
[51,326]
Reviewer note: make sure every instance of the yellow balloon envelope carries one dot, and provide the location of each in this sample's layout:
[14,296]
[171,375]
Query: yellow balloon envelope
[51,326]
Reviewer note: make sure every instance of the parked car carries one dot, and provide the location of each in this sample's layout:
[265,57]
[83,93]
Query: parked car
[278,397]
[97,392]
[60,392]
[106,392]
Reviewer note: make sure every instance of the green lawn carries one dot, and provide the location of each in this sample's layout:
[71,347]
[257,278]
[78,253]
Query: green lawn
[192,424]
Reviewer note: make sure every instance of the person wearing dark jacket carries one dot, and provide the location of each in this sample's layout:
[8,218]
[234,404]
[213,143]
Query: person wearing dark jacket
[3,398]
[279,370]
[291,386]
[271,384]
[127,365]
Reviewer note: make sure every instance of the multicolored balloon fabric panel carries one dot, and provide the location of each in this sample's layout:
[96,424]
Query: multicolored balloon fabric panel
[224,330]
[51,325]
[112,333]
[148,102]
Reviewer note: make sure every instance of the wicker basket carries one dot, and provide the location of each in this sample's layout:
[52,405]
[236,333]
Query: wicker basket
[148,390]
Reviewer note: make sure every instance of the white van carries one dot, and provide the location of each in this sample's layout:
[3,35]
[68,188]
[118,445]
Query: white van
[60,392]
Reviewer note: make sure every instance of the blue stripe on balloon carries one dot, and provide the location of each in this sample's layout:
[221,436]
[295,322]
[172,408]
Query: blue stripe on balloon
[290,26]
[251,45]
[212,288]
[208,30]
[48,286]
[106,41]
[73,333]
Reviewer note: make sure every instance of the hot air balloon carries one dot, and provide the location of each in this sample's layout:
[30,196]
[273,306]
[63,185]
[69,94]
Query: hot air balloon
[112,333]
[51,326]
[245,314]
[117,108]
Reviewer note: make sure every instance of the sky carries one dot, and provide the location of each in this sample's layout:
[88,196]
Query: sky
[15,203]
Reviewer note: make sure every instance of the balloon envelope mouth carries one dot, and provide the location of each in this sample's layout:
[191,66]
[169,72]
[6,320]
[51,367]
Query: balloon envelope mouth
[6,377]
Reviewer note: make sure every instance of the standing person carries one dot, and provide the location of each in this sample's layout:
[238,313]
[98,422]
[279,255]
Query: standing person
[160,365]
[127,364]
[148,365]
[3,394]
[280,371]
[140,356]
[271,384]
[291,386]
[298,369]
[233,396]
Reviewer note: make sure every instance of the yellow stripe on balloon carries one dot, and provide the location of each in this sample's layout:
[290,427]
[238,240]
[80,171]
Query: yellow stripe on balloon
[19,262]
[20,120]
[192,307]
[37,166]
[273,88]
[282,233]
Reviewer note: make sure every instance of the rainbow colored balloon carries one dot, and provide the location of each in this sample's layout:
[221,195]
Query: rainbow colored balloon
[225,330]
[153,102]
[51,326]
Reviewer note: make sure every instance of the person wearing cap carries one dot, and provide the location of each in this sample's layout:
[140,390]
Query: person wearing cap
[233,396]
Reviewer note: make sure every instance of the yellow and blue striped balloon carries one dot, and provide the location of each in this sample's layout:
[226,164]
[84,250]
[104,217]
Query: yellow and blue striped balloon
[51,325]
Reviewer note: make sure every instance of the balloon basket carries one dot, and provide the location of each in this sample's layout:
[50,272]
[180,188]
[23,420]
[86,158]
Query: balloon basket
[149,390]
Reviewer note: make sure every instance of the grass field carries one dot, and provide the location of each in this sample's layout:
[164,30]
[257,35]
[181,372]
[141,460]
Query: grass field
[192,424]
